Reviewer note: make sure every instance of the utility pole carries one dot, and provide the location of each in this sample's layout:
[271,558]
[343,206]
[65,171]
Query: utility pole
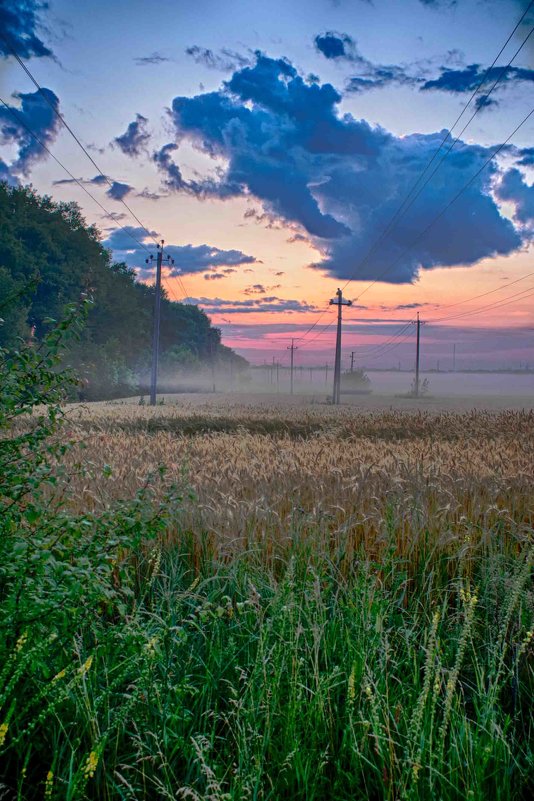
[157,317]
[339,302]
[417,354]
[277,377]
[326,373]
[352,361]
[292,348]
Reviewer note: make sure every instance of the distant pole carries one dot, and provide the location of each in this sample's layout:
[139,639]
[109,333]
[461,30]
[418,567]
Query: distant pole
[417,355]
[339,302]
[212,359]
[352,362]
[292,348]
[277,377]
[156,324]
[272,372]
[155,329]
[326,373]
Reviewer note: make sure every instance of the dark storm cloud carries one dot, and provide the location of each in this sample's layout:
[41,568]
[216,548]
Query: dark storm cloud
[187,258]
[253,306]
[339,179]
[224,60]
[214,276]
[19,21]
[514,189]
[154,58]
[36,113]
[134,140]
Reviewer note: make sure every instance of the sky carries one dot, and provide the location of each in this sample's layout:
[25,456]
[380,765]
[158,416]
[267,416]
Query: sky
[283,150]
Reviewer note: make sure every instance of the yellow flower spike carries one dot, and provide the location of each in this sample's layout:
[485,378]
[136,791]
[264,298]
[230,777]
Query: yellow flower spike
[49,785]
[3,732]
[351,690]
[60,675]
[86,666]
[21,642]
[91,765]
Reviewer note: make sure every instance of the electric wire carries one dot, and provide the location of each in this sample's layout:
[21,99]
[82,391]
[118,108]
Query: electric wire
[402,208]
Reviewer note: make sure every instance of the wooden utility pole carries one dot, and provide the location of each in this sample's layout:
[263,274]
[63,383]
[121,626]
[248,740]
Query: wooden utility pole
[292,348]
[352,361]
[418,323]
[339,302]
[156,324]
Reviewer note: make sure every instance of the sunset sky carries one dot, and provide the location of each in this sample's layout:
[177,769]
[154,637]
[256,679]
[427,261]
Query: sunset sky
[274,147]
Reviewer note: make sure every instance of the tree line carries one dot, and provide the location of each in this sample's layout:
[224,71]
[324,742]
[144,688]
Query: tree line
[49,258]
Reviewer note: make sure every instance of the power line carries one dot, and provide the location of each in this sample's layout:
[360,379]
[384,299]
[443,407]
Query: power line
[69,129]
[489,292]
[526,293]
[109,214]
[405,205]
[451,202]
[402,208]
[91,159]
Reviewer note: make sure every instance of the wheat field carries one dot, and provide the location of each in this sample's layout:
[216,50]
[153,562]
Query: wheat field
[305,603]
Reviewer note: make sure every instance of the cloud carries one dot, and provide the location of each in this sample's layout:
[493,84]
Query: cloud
[225,60]
[264,305]
[36,113]
[134,140]
[187,258]
[527,157]
[260,289]
[514,189]
[338,179]
[154,58]
[117,190]
[214,276]
[342,47]
[461,81]
[19,21]
[6,175]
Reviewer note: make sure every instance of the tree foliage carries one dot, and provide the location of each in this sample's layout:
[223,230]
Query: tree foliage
[49,257]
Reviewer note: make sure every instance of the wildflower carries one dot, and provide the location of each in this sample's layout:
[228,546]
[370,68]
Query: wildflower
[60,675]
[3,732]
[194,584]
[415,771]
[90,765]
[86,666]
[368,691]
[49,785]
[150,647]
[21,642]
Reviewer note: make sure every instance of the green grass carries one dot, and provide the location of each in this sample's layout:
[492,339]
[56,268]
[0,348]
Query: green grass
[303,683]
